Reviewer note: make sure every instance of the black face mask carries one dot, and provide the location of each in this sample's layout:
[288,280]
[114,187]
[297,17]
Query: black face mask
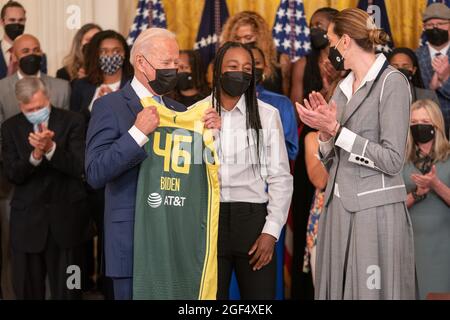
[251,45]
[336,58]
[423,133]
[437,37]
[14,30]
[235,83]
[165,80]
[408,74]
[30,64]
[259,75]
[185,81]
[319,38]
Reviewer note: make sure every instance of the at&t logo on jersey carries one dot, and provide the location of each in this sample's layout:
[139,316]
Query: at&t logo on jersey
[155,200]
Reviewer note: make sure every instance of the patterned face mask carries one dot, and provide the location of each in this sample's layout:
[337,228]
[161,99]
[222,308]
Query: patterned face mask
[111,64]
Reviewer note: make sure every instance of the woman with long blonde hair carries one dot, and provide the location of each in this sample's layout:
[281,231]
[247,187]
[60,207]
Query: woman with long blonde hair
[427,178]
[74,67]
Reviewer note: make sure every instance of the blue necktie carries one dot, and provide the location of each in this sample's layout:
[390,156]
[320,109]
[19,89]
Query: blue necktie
[158,99]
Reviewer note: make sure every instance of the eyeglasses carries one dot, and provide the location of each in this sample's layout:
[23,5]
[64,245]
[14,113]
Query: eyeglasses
[439,25]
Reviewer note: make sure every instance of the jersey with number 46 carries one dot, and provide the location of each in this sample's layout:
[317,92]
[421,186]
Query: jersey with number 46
[177,209]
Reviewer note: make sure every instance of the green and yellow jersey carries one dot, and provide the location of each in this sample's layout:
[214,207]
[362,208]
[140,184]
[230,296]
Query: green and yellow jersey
[177,209]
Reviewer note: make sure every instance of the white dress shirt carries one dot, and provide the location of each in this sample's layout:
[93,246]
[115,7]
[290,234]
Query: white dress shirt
[21,76]
[443,51]
[48,155]
[240,180]
[113,86]
[5,50]
[142,92]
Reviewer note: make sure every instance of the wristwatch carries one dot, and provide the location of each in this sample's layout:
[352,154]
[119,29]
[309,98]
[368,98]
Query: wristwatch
[418,198]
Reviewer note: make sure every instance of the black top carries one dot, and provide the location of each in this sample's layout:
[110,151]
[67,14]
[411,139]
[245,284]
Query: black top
[275,83]
[82,94]
[190,100]
[63,74]
[302,287]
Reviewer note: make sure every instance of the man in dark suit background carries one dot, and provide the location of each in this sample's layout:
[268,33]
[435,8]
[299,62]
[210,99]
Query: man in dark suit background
[26,48]
[43,156]
[117,132]
[13,18]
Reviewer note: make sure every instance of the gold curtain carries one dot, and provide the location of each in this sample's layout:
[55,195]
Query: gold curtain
[183,17]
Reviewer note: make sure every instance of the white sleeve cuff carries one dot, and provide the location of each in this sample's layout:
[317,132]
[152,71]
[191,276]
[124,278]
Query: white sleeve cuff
[325,147]
[140,138]
[272,228]
[346,140]
[49,155]
[33,161]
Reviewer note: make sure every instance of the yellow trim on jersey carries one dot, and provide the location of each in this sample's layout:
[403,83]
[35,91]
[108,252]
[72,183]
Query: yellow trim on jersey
[187,119]
[208,288]
[191,120]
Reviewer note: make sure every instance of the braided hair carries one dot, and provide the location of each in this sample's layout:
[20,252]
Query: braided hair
[253,120]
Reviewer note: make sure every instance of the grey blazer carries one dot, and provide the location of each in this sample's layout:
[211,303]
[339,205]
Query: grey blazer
[369,174]
[59,91]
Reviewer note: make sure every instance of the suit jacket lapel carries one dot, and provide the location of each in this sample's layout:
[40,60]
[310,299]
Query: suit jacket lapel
[355,102]
[12,84]
[429,66]
[359,97]
[133,102]
[53,123]
[26,128]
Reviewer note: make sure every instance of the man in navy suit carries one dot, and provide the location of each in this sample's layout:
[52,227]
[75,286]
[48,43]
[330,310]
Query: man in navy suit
[434,57]
[13,18]
[117,132]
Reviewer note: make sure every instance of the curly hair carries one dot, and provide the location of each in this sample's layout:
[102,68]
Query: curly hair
[263,33]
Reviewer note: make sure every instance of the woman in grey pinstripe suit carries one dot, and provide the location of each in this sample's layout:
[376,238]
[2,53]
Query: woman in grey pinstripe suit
[365,244]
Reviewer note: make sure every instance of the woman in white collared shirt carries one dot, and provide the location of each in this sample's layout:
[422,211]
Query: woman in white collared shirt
[256,184]
[365,246]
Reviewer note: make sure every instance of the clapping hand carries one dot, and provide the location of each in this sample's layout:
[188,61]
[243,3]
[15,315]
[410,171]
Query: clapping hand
[41,141]
[318,114]
[441,69]
[425,181]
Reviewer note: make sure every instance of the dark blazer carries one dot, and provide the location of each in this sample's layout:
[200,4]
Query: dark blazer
[50,197]
[443,93]
[63,74]
[112,161]
[82,94]
[4,65]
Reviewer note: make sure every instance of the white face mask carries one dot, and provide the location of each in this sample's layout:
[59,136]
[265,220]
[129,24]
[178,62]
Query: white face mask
[39,116]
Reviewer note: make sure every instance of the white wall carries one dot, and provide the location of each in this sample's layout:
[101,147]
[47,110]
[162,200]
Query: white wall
[55,22]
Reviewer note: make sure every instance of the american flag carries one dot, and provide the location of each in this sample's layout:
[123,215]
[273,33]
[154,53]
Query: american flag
[377,10]
[149,13]
[423,39]
[291,32]
[215,13]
